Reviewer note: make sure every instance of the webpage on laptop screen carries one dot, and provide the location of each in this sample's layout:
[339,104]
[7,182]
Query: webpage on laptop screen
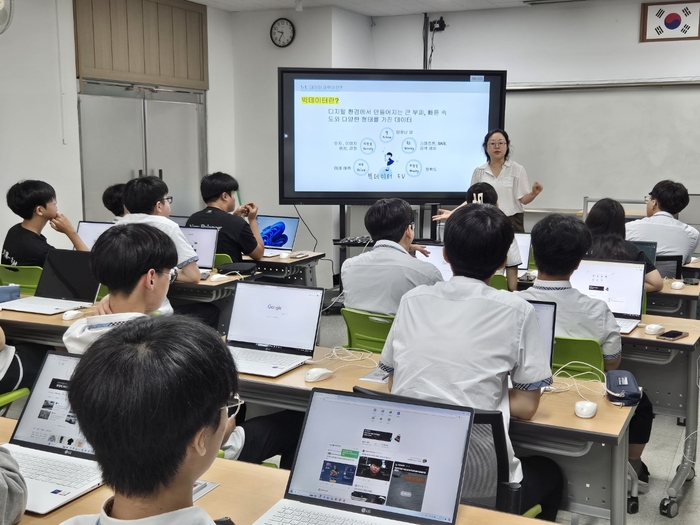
[620,285]
[381,455]
[436,259]
[275,315]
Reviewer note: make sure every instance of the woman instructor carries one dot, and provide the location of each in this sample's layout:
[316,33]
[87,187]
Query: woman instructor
[508,177]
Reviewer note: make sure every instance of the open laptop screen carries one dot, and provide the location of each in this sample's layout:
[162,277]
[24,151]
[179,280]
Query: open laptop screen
[67,275]
[649,249]
[203,242]
[278,232]
[180,220]
[619,284]
[436,259]
[47,421]
[546,317]
[270,315]
[395,459]
[90,231]
[523,240]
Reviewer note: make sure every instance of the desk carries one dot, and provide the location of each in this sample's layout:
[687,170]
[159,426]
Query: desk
[668,372]
[37,328]
[691,269]
[291,271]
[245,492]
[678,303]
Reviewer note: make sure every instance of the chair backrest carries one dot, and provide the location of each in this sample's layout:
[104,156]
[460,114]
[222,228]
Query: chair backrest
[222,258]
[101,292]
[567,349]
[670,265]
[499,282]
[531,264]
[26,276]
[366,330]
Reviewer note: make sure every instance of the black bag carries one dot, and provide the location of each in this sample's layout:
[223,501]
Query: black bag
[624,388]
[244,268]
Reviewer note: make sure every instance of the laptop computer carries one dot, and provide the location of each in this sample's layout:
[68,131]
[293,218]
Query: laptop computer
[524,241]
[66,283]
[89,231]
[180,220]
[546,313]
[436,259]
[278,233]
[619,284]
[54,458]
[366,459]
[273,327]
[649,249]
[203,241]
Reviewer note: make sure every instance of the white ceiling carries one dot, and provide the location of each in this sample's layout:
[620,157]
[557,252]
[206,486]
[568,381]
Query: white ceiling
[367,7]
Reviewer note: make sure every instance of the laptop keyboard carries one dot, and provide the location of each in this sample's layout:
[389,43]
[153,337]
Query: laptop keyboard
[62,473]
[627,325]
[310,517]
[258,356]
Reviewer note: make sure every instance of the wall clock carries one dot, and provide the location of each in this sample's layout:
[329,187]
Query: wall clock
[282,32]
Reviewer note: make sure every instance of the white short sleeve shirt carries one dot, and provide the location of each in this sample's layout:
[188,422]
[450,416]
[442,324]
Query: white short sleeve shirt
[672,236]
[187,516]
[511,185]
[459,341]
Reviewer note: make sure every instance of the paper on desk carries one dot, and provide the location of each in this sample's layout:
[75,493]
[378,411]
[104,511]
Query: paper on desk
[202,487]
[376,376]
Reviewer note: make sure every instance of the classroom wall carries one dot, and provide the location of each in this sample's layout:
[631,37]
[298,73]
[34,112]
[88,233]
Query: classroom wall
[38,108]
[352,40]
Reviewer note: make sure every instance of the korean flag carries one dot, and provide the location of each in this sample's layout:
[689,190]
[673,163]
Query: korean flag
[671,21]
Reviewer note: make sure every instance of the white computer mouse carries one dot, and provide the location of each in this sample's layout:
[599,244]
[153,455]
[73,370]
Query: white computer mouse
[317,374]
[653,329]
[533,272]
[72,314]
[677,285]
[218,277]
[585,409]
[285,255]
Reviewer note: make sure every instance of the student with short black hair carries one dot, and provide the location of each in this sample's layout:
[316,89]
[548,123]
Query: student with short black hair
[559,242]
[35,202]
[459,341]
[236,236]
[176,379]
[113,200]
[376,280]
[672,236]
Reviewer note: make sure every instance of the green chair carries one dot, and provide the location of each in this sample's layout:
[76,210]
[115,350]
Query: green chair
[644,302]
[101,293]
[499,282]
[366,331]
[222,258]
[26,276]
[567,349]
[531,265]
[7,399]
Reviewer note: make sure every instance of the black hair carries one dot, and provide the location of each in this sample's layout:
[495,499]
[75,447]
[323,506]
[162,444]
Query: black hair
[24,196]
[376,462]
[477,239]
[486,141]
[113,199]
[141,195]
[670,196]
[141,393]
[488,192]
[606,222]
[212,186]
[387,219]
[559,242]
[125,252]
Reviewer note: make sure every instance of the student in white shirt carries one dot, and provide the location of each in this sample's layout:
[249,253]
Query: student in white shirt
[459,341]
[559,242]
[376,280]
[672,236]
[152,397]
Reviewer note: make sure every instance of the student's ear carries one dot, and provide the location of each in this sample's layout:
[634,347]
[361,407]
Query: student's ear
[150,279]
[199,442]
[39,210]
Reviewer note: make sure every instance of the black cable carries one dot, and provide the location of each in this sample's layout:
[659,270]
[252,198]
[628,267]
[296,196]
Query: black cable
[307,227]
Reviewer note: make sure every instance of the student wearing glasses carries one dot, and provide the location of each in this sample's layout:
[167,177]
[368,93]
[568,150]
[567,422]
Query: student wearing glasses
[508,177]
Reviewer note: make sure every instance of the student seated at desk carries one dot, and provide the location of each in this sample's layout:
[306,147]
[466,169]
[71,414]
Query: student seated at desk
[559,242]
[459,341]
[136,263]
[236,236]
[672,236]
[152,397]
[113,200]
[606,221]
[376,280]
[35,202]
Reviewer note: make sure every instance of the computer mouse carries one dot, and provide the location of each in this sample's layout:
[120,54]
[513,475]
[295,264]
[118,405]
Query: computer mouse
[218,277]
[533,272]
[284,255]
[653,329]
[72,314]
[317,374]
[677,285]
[585,409]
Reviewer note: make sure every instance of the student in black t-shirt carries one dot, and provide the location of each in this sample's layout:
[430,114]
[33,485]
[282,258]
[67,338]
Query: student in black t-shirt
[236,236]
[35,202]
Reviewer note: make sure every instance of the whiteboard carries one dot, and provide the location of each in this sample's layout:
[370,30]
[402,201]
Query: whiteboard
[605,142]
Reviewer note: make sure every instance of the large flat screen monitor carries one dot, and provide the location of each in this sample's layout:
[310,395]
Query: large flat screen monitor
[352,136]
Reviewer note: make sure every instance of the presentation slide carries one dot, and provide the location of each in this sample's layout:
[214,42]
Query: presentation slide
[388,135]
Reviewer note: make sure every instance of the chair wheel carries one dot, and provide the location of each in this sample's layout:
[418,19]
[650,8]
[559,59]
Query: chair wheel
[632,505]
[668,507]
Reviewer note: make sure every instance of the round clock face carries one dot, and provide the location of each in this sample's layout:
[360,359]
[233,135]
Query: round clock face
[282,32]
